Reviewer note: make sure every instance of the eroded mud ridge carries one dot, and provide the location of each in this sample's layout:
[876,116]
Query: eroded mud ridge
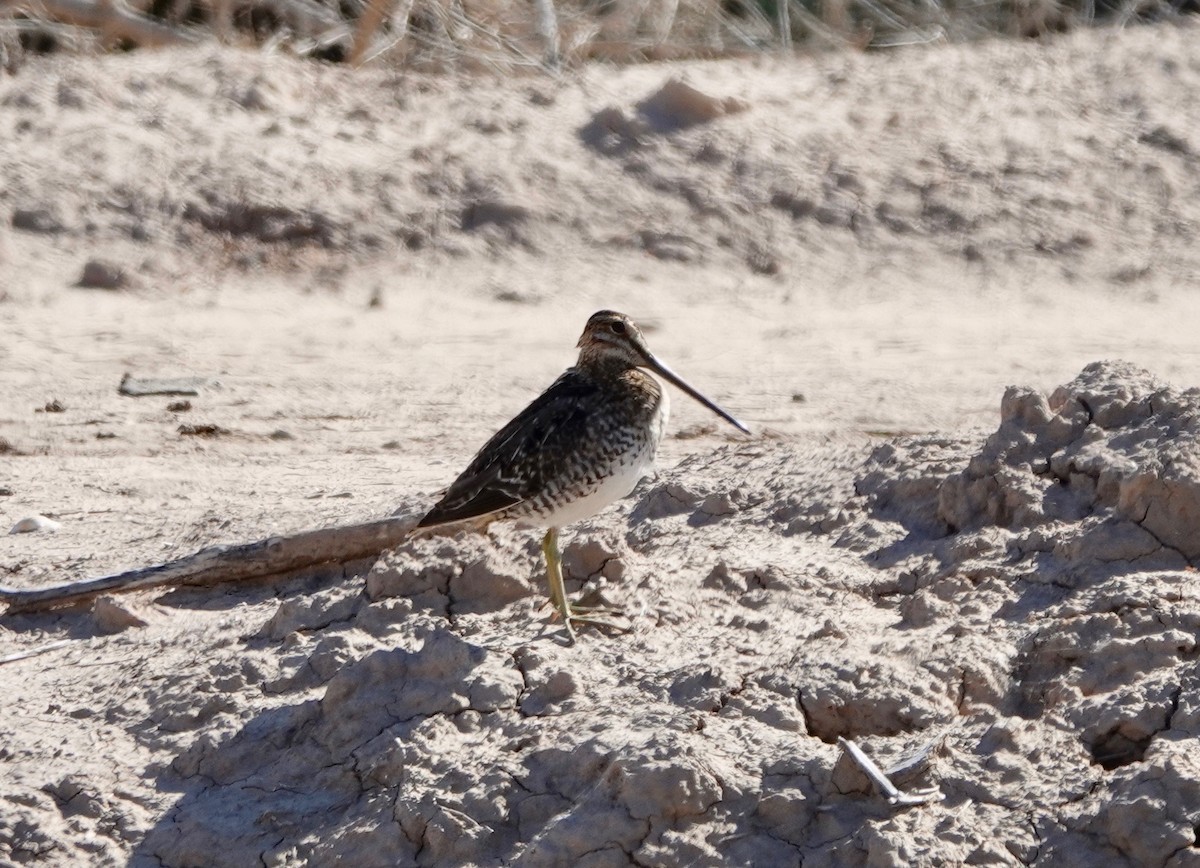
[1021,610]
[267,156]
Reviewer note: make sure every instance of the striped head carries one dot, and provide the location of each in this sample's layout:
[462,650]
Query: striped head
[612,340]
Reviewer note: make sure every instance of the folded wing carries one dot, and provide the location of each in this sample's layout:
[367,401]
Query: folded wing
[518,461]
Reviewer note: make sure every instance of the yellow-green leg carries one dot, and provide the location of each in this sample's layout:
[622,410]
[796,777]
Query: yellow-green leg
[558,592]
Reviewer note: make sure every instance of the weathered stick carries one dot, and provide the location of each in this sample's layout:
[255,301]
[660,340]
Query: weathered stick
[110,19]
[33,652]
[236,563]
[893,795]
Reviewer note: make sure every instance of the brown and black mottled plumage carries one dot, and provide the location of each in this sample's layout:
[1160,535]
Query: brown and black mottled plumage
[568,440]
[582,444]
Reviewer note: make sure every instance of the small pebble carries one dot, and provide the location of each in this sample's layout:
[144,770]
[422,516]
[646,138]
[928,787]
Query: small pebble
[35,523]
[139,387]
[202,430]
[113,616]
[98,274]
[37,220]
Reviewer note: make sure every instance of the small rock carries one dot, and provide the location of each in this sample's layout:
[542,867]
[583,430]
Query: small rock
[314,612]
[203,430]
[669,246]
[34,524]
[405,573]
[587,556]
[1165,139]
[493,211]
[138,387]
[717,505]
[281,434]
[179,406]
[677,105]
[100,274]
[113,616]
[763,260]
[546,690]
[669,498]
[794,203]
[39,220]
[516,295]
[699,429]
[52,406]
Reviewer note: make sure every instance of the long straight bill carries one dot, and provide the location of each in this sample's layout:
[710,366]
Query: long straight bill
[671,377]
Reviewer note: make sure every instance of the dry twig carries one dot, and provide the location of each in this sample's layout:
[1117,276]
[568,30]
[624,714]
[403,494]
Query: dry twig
[33,652]
[262,559]
[889,790]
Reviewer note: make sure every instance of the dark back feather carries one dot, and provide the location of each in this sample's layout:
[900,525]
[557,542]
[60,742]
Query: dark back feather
[549,440]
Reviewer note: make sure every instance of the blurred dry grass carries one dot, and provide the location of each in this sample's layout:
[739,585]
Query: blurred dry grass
[509,34]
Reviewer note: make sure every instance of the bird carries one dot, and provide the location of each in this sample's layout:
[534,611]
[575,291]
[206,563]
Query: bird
[581,445]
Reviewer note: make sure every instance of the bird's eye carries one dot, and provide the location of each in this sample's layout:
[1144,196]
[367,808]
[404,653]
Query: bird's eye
[617,328]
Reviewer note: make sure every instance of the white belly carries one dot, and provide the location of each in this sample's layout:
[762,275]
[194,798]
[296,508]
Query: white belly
[609,491]
[630,470]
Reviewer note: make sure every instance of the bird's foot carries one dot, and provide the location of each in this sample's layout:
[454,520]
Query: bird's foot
[595,602]
[595,616]
[596,605]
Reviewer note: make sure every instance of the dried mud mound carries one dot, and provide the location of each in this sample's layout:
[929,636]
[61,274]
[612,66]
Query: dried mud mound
[1018,615]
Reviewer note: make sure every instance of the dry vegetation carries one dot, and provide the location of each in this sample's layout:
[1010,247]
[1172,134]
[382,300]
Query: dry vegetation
[508,33]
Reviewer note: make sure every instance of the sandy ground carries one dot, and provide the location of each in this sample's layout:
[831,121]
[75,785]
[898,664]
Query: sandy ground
[375,270]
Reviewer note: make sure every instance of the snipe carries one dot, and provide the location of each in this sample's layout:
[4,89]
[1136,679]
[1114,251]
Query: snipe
[581,445]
